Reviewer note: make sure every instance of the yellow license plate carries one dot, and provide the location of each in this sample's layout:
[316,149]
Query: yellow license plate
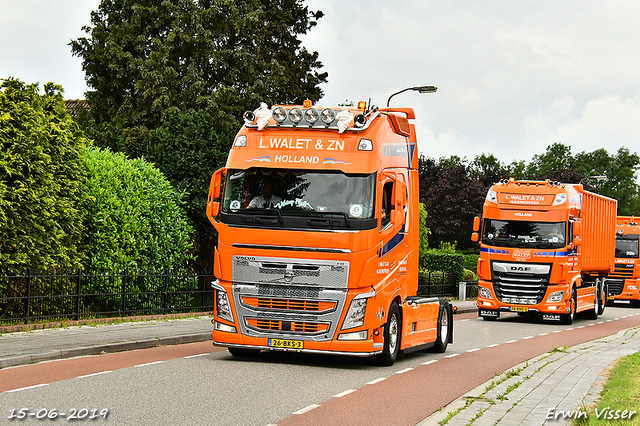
[519,308]
[290,344]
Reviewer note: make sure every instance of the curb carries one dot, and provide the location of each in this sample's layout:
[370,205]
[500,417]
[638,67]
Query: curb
[106,348]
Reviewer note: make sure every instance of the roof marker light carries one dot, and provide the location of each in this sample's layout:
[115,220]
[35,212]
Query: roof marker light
[295,115]
[560,198]
[279,114]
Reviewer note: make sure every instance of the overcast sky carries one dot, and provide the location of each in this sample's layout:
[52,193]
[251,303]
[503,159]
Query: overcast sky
[513,76]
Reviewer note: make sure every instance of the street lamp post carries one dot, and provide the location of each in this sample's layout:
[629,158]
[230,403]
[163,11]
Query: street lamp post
[419,89]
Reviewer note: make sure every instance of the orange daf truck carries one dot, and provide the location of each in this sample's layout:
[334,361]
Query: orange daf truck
[317,218]
[546,249]
[624,280]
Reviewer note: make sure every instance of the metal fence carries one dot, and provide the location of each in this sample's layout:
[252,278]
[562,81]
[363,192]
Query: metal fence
[441,284]
[34,296]
[83,294]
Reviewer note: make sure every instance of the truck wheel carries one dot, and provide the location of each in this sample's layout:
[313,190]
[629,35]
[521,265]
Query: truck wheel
[593,313]
[391,337]
[567,319]
[604,295]
[444,327]
[244,352]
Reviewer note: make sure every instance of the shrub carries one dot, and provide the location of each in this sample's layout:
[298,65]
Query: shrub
[135,218]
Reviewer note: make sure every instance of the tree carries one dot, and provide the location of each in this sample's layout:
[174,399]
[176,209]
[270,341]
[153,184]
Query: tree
[41,179]
[615,176]
[452,197]
[148,60]
[170,80]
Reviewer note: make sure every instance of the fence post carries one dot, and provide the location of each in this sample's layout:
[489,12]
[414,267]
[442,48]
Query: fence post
[124,292]
[166,289]
[78,279]
[26,313]
[462,291]
[204,288]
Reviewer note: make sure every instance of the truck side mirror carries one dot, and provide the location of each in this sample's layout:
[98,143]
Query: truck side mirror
[577,229]
[215,188]
[475,237]
[476,226]
[576,241]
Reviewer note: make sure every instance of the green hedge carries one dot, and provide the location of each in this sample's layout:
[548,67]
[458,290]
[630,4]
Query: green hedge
[445,262]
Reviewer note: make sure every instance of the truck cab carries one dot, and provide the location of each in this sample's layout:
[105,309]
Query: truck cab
[317,220]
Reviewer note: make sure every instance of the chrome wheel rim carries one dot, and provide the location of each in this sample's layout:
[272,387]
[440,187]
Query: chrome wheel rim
[444,328]
[393,333]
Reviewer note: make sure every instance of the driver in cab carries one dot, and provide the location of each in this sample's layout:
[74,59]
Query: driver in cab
[266,200]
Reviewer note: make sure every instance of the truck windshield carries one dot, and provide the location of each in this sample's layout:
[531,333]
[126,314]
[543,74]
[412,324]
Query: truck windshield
[282,193]
[514,233]
[626,247]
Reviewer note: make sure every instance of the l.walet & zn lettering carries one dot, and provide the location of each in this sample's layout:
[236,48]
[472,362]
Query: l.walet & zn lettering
[301,144]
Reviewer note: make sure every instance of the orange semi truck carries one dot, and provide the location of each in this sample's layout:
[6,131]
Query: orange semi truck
[624,280]
[317,219]
[545,249]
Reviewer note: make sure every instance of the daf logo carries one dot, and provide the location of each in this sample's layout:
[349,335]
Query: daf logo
[520,268]
[288,276]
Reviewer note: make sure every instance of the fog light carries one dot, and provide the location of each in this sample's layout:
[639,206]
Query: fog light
[279,114]
[327,116]
[356,335]
[218,326]
[632,287]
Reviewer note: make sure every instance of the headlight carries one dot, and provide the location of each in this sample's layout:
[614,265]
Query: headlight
[357,309]
[222,306]
[356,335]
[555,297]
[485,292]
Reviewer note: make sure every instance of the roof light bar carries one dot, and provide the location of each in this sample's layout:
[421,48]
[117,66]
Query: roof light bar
[295,115]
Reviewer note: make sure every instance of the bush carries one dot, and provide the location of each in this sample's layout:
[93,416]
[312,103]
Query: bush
[445,262]
[135,218]
[41,175]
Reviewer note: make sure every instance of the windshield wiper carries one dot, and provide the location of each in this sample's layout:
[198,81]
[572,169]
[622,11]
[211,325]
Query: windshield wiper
[262,210]
[343,214]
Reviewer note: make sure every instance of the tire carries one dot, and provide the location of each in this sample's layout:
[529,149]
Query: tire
[604,295]
[593,313]
[391,337]
[445,327]
[244,352]
[567,319]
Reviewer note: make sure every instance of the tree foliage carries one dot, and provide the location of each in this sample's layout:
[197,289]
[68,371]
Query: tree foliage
[147,60]
[453,189]
[135,218]
[41,176]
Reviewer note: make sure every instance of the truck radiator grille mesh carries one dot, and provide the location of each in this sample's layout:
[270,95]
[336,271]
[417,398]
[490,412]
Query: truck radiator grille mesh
[615,286]
[289,304]
[296,326]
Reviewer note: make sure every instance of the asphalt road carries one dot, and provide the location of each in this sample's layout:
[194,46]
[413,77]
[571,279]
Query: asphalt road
[198,384]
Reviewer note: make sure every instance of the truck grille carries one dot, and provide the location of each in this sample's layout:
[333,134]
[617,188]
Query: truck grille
[622,271]
[290,304]
[615,286]
[289,298]
[297,327]
[520,283]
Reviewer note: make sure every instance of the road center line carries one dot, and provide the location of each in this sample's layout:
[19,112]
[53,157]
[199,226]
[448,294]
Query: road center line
[94,374]
[341,394]
[149,363]
[28,387]
[404,371]
[378,380]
